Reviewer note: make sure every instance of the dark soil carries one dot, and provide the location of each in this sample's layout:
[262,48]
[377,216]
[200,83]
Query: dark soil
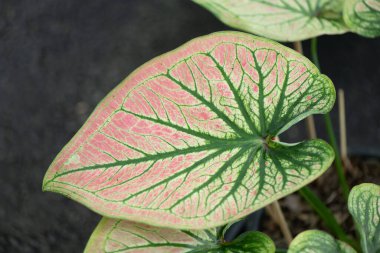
[301,217]
[59,58]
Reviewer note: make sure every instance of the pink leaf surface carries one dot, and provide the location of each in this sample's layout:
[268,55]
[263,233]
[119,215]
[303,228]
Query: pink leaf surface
[122,236]
[185,141]
[113,236]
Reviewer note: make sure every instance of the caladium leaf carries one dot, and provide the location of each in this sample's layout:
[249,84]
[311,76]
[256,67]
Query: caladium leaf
[129,237]
[282,20]
[186,140]
[363,17]
[364,206]
[315,241]
[125,236]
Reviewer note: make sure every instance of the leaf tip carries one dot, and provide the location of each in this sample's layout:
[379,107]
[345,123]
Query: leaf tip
[46,181]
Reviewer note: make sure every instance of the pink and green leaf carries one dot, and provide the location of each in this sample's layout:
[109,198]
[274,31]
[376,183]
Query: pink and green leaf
[128,237]
[364,206]
[186,141]
[289,20]
[363,17]
[315,241]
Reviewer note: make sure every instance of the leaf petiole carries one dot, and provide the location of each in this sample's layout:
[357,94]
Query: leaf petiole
[330,131]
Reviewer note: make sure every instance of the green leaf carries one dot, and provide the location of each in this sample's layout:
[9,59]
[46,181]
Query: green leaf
[282,20]
[315,241]
[364,206]
[125,236]
[186,140]
[363,17]
[248,242]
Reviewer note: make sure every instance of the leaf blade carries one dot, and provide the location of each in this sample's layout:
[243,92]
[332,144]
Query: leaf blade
[141,156]
[126,236]
[363,204]
[318,242]
[363,17]
[253,241]
[280,20]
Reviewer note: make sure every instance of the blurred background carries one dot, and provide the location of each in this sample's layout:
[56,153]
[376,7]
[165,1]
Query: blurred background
[58,59]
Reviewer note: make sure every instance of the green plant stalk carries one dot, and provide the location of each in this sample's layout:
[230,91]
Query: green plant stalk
[314,201]
[330,131]
[327,216]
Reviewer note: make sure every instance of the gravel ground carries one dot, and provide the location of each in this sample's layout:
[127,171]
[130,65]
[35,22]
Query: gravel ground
[59,58]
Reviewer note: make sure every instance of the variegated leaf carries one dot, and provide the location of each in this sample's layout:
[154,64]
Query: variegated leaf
[364,206]
[315,241]
[186,141]
[363,16]
[282,20]
[120,236]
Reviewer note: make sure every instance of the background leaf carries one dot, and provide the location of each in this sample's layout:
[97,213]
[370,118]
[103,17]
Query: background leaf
[315,241]
[364,206]
[124,236]
[363,17]
[186,140]
[249,242]
[281,20]
[129,237]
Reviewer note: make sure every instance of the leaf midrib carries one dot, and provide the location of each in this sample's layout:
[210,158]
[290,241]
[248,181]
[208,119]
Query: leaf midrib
[225,145]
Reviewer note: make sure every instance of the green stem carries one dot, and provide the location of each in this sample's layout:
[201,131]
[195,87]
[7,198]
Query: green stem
[324,212]
[330,131]
[221,231]
[338,161]
[327,216]
[314,52]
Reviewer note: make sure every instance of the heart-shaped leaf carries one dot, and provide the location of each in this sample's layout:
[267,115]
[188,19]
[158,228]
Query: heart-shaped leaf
[129,237]
[186,140]
[364,206]
[281,20]
[363,17]
[315,241]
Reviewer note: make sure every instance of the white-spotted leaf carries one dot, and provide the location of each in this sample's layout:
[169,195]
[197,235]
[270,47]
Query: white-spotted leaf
[363,17]
[364,206]
[186,141]
[282,20]
[315,241]
[122,236]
